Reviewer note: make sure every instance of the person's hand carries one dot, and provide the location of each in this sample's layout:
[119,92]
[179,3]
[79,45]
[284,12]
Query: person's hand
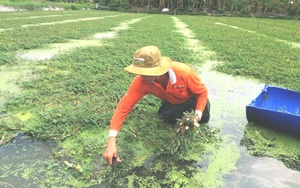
[111,151]
[198,115]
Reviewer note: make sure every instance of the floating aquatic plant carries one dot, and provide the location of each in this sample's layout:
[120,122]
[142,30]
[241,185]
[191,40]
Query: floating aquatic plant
[187,123]
[189,133]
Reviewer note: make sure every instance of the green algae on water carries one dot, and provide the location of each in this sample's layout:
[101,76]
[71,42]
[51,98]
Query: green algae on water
[221,163]
[261,141]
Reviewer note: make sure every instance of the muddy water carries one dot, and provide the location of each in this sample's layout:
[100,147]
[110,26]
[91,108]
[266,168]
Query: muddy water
[21,154]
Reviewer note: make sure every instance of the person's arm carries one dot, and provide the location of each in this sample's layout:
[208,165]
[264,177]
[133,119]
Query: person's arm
[135,92]
[201,101]
[121,112]
[197,87]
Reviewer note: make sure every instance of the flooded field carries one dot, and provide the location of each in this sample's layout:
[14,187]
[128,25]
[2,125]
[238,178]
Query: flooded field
[24,154]
[242,159]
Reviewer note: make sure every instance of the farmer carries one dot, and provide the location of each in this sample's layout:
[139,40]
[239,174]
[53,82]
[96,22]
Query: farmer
[178,85]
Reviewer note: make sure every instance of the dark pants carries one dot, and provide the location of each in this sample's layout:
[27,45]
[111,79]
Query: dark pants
[170,112]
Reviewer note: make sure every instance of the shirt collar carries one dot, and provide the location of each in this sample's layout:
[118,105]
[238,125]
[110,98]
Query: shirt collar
[172,76]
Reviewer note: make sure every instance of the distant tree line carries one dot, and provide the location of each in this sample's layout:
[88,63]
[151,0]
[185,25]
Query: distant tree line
[291,7]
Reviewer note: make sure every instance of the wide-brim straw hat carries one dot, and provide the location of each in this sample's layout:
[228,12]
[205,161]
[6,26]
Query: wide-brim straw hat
[148,61]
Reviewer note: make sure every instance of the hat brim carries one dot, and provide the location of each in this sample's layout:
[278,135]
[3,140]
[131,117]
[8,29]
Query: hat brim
[151,71]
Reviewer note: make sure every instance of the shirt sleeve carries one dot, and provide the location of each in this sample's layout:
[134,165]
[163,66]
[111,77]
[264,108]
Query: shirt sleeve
[135,92]
[197,87]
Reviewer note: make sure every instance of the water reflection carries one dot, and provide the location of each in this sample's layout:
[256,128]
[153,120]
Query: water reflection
[262,172]
[55,49]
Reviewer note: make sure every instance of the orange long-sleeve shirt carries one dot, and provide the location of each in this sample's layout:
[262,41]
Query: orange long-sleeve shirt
[183,83]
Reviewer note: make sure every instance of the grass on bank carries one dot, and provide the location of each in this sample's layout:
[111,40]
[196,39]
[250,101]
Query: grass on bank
[261,52]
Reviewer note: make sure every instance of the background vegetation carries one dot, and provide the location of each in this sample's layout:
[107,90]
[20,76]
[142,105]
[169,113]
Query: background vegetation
[42,4]
[212,6]
[229,7]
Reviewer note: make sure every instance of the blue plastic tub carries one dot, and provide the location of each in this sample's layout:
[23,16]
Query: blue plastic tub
[276,108]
